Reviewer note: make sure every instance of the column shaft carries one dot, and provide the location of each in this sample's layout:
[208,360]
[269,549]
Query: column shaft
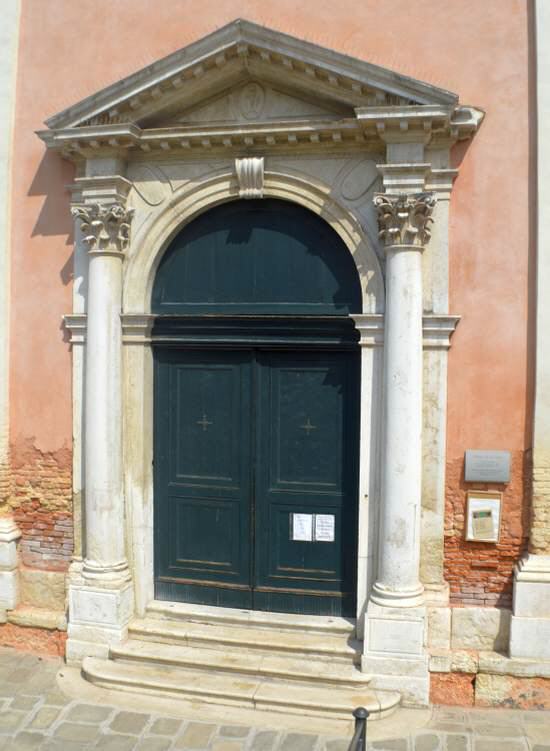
[104,547]
[398,574]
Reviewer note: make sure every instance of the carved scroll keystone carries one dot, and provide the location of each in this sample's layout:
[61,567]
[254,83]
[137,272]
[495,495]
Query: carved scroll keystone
[404,219]
[105,227]
[250,174]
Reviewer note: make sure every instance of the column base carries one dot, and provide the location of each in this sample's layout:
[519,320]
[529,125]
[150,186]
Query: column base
[390,598]
[98,618]
[395,652]
[530,626]
[9,578]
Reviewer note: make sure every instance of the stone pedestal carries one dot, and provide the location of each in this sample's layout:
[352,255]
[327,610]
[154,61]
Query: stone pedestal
[9,582]
[530,626]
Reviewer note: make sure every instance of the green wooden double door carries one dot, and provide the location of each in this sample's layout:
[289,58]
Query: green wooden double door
[256,463]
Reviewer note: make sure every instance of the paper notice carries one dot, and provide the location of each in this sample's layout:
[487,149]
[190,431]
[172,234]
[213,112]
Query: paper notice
[482,524]
[302,527]
[324,528]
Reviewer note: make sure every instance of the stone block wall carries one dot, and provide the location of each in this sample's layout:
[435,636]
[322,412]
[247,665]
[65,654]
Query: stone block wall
[540,531]
[481,574]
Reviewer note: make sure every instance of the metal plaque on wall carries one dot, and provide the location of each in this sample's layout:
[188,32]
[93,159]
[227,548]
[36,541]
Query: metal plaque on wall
[487,466]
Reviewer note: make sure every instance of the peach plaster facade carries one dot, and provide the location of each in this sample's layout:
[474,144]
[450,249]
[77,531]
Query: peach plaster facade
[482,51]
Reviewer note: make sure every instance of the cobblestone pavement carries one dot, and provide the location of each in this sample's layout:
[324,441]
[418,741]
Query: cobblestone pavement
[36,714]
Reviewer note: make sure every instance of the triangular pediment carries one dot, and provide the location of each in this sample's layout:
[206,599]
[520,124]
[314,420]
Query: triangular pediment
[235,54]
[244,87]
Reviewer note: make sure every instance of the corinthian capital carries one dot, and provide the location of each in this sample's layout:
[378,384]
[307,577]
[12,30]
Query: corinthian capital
[105,227]
[404,219]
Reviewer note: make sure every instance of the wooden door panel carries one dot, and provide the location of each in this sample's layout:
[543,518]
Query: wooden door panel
[306,464]
[203,484]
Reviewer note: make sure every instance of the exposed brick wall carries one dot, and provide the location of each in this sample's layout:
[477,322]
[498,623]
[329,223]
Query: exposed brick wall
[41,501]
[482,573]
[539,542]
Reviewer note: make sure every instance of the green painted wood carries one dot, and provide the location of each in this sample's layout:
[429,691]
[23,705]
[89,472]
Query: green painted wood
[203,424]
[244,439]
[257,257]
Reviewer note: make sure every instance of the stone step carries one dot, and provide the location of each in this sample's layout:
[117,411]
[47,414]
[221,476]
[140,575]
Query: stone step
[229,690]
[182,611]
[245,664]
[304,645]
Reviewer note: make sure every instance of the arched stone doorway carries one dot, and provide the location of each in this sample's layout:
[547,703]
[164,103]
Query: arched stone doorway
[257,412]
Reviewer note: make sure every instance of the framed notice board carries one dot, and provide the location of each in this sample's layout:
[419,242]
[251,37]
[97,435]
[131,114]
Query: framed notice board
[483,516]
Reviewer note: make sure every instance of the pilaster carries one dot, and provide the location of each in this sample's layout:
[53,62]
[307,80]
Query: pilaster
[530,626]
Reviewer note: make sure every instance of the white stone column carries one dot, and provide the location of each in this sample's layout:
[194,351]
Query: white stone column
[530,626]
[396,619]
[404,229]
[101,601]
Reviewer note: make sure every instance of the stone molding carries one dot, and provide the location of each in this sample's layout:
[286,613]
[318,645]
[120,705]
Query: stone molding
[404,220]
[533,568]
[136,329]
[250,174]
[375,105]
[76,326]
[104,227]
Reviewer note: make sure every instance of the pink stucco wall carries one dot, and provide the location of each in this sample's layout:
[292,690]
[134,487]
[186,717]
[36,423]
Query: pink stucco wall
[478,49]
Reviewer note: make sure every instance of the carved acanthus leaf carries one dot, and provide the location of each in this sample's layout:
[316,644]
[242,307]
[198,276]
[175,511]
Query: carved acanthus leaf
[404,219]
[104,227]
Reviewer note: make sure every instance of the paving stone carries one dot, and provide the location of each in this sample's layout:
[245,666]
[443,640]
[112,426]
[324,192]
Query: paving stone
[88,713]
[21,676]
[53,745]
[27,740]
[116,742]
[24,702]
[456,743]
[221,744]
[486,744]
[56,698]
[541,748]
[72,731]
[234,731]
[498,731]
[339,745]
[44,718]
[298,742]
[447,727]
[427,742]
[165,726]
[266,740]
[154,744]
[130,722]
[196,736]
[396,744]
[10,720]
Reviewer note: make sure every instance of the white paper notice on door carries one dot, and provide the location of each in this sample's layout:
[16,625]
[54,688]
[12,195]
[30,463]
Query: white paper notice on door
[302,527]
[324,528]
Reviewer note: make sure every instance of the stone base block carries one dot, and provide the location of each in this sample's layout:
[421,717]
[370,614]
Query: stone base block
[395,632]
[98,618]
[439,628]
[511,692]
[395,654]
[452,689]
[480,628]
[530,638]
[9,589]
[415,692]
[42,589]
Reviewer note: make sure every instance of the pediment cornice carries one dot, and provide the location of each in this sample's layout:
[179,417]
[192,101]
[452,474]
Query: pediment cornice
[369,103]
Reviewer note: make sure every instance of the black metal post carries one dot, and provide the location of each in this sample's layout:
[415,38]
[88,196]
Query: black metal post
[359,742]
